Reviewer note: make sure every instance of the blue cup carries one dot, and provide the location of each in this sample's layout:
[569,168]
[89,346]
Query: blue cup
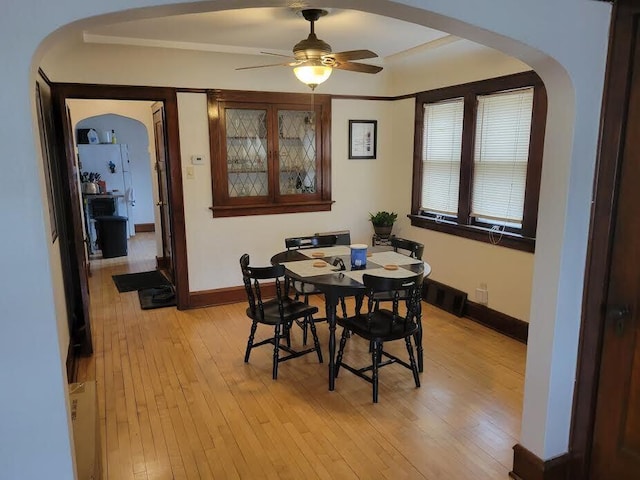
[358,256]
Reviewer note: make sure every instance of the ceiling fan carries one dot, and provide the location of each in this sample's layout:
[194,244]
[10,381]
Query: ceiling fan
[313,60]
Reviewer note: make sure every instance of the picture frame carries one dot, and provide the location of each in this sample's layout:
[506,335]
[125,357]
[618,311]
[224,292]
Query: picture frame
[363,139]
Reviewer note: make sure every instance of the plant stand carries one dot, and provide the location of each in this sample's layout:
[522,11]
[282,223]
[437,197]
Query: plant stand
[378,240]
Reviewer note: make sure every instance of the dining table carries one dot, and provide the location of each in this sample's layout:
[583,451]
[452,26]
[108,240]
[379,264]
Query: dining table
[330,271]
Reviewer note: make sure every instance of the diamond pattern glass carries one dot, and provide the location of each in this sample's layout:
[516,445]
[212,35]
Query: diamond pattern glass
[247,164]
[297,152]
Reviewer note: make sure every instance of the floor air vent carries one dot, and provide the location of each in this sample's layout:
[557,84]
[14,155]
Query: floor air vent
[445,297]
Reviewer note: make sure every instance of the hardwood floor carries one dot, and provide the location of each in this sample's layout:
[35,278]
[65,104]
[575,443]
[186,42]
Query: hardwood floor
[176,400]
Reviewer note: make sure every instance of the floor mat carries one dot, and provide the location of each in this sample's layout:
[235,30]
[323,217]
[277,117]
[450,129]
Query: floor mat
[138,281]
[157,297]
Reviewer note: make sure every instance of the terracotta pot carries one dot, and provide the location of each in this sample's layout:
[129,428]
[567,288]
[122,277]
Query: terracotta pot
[383,232]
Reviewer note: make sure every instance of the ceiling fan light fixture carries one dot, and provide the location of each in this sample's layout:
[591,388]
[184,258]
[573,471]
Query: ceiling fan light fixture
[312,75]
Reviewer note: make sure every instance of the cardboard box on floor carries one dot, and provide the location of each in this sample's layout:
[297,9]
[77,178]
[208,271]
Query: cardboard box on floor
[86,430]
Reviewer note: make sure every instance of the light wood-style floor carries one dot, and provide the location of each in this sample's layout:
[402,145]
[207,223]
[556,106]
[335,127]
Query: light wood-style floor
[177,401]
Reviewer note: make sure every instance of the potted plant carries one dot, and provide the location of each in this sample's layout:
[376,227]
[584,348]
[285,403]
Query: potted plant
[383,223]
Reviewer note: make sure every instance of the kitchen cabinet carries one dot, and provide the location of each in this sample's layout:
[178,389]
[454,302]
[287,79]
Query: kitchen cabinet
[270,153]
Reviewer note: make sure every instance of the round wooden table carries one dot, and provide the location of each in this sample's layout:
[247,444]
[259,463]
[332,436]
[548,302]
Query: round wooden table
[336,284]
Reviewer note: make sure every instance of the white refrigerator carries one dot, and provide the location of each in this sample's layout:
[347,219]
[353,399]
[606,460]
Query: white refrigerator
[111,161]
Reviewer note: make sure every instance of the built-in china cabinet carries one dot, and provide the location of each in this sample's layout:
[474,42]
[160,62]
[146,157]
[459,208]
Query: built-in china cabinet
[270,152]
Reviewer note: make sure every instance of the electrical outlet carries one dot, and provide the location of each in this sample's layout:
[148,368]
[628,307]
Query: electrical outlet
[482,294]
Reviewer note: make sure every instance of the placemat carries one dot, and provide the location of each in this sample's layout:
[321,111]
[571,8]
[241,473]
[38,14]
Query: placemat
[386,258]
[379,272]
[327,251]
[305,268]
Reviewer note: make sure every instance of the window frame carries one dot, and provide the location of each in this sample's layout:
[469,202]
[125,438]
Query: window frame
[275,203]
[464,225]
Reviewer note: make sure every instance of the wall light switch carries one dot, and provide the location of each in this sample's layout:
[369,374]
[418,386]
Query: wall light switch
[197,159]
[190,174]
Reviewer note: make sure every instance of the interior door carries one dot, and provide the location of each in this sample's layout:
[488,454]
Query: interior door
[72,244]
[616,441]
[166,262]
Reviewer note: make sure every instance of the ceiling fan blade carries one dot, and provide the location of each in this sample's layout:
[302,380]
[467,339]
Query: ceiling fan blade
[270,65]
[353,55]
[358,67]
[277,55]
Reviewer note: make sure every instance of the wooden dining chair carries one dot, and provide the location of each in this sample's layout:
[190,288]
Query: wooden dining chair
[381,326]
[408,247]
[303,289]
[278,312]
[310,241]
[414,250]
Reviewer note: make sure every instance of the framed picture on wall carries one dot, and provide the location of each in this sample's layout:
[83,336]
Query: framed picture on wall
[363,136]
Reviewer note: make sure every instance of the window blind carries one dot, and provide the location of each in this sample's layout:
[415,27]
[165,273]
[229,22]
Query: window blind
[441,149]
[503,127]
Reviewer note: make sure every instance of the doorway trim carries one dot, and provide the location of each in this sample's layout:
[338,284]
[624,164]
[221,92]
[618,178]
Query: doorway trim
[64,91]
[612,127]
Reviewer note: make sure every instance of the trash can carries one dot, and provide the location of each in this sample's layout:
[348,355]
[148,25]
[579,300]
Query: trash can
[112,235]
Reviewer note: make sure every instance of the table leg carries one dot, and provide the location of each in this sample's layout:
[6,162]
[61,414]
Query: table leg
[330,306]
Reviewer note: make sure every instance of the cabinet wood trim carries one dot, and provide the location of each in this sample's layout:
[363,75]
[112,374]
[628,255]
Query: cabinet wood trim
[223,204]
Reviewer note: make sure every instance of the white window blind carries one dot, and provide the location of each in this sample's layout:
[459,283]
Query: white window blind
[503,128]
[441,148]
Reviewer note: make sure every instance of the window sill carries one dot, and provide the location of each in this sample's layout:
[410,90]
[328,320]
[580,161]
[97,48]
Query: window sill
[271,208]
[480,234]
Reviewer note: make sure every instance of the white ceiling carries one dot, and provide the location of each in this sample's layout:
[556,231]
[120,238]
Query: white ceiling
[275,30]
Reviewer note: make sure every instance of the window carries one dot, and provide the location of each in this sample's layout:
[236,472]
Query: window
[441,149]
[269,153]
[478,157]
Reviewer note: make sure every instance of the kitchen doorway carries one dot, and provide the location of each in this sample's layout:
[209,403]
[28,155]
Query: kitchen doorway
[124,160]
[62,93]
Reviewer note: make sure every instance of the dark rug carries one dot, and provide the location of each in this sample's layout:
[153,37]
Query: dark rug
[157,297]
[139,281]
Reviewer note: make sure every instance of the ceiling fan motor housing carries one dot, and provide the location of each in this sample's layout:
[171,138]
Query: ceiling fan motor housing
[311,48]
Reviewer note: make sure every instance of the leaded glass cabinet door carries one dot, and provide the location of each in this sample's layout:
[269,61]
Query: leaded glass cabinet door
[246,150]
[297,153]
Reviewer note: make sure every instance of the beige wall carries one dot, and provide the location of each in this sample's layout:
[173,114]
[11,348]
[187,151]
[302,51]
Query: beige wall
[358,186]
[214,245]
[453,62]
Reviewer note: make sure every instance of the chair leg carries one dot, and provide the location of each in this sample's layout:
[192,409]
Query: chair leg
[344,307]
[276,351]
[418,339]
[412,361]
[287,334]
[305,323]
[316,343]
[254,326]
[343,343]
[375,357]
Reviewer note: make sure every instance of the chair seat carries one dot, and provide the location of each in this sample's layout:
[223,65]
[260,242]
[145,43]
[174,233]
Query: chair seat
[381,326]
[293,309]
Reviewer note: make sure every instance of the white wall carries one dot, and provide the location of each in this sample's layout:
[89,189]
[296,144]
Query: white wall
[564,41]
